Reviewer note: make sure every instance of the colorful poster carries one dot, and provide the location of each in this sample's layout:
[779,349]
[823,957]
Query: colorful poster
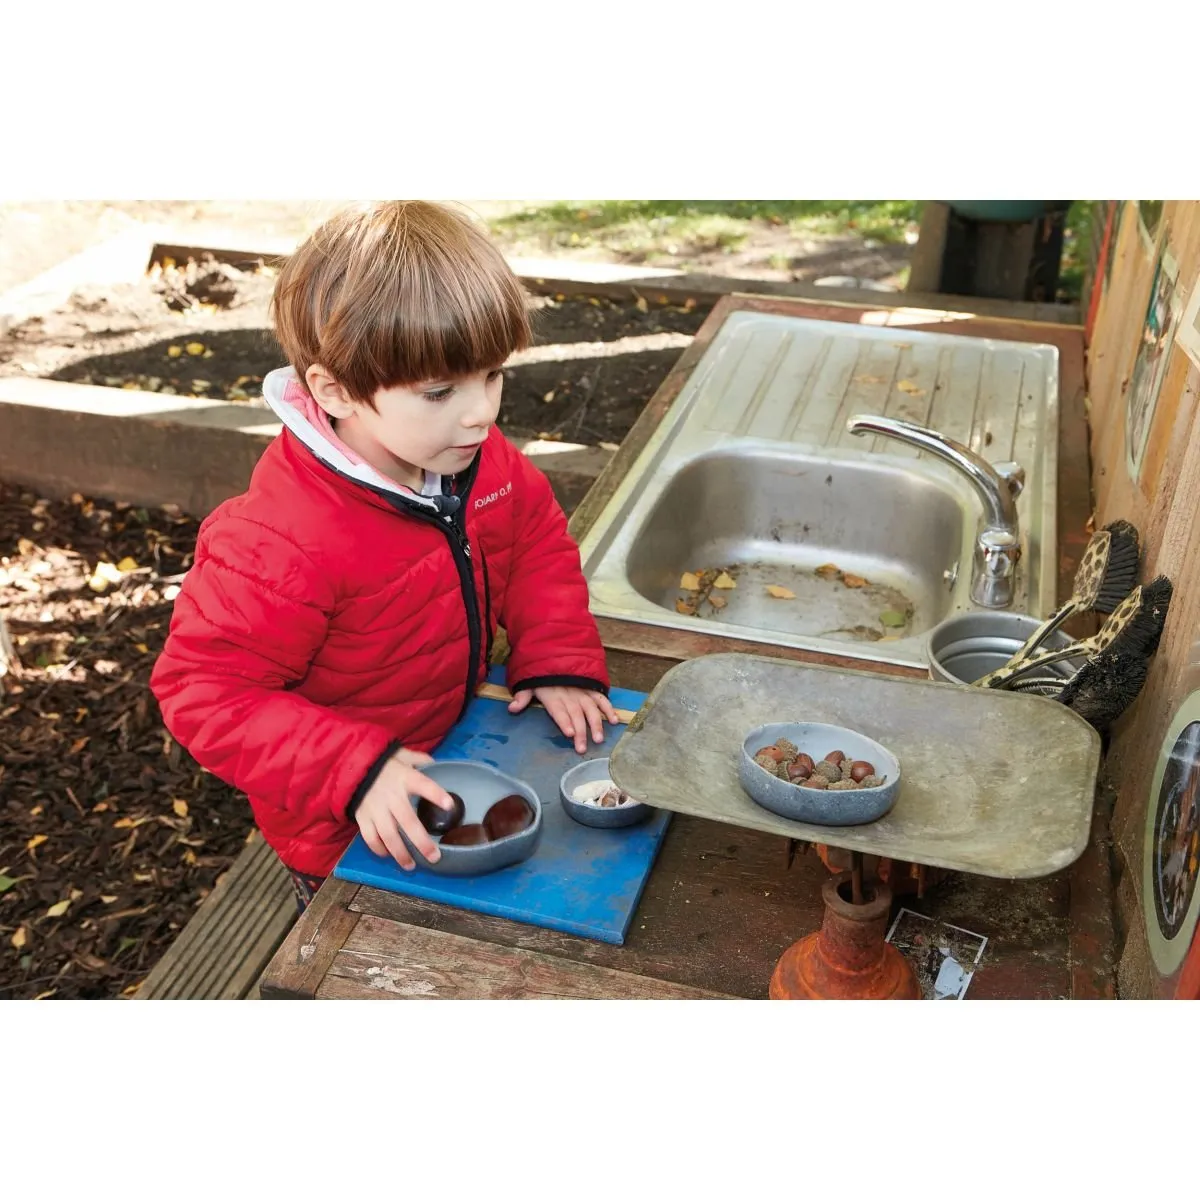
[1154,352]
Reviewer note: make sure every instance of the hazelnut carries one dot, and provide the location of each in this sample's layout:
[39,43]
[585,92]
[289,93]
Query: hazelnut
[836,757]
[861,770]
[798,770]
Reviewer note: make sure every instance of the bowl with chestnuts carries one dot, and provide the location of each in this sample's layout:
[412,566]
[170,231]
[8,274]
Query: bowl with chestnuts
[820,774]
[590,797]
[496,822]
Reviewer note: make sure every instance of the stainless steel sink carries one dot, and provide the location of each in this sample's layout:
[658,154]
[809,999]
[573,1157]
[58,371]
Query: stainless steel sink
[752,472]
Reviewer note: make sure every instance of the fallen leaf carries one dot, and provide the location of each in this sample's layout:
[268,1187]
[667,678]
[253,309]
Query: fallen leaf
[141,647]
[547,397]
[893,619]
[717,601]
[101,807]
[724,581]
[57,910]
[689,581]
[870,379]
[75,894]
[909,388]
[686,607]
[180,807]
[780,593]
[126,943]
[35,841]
[36,810]
[828,571]
[45,995]
[195,348]
[105,574]
[128,822]
[18,939]
[25,546]
[641,305]
[127,564]
[79,744]
[6,881]
[854,581]
[189,857]
[174,351]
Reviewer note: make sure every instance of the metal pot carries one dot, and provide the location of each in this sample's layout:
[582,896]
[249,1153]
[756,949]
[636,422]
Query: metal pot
[966,647]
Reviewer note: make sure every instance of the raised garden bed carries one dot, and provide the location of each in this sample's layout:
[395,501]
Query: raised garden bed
[204,330]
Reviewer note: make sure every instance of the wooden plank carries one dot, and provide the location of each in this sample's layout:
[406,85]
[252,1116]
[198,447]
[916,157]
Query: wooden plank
[300,963]
[711,884]
[382,959]
[492,691]
[925,266]
[222,950]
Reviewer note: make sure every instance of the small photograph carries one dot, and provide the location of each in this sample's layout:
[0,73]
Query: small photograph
[944,956]
[1154,352]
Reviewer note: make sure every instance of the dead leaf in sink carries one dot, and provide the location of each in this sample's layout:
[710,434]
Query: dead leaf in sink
[717,601]
[870,379]
[854,581]
[909,388]
[689,582]
[828,571]
[780,593]
[686,608]
[893,619]
[725,581]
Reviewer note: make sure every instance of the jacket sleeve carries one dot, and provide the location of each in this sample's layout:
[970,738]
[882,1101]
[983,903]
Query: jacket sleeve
[555,642]
[251,616]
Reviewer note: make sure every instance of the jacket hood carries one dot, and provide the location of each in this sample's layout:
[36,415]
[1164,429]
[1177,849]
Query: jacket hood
[300,413]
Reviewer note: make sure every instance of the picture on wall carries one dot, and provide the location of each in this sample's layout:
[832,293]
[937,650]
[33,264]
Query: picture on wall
[1189,327]
[1150,366]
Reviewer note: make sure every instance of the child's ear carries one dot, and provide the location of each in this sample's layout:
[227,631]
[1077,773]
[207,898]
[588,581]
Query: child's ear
[328,393]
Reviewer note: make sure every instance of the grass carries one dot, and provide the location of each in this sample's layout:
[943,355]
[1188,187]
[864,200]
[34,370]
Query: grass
[682,232]
[645,230]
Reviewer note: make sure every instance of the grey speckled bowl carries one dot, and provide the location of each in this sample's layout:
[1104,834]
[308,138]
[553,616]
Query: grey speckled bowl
[855,806]
[601,818]
[480,786]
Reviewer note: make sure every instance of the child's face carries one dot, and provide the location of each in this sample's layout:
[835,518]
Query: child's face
[435,426]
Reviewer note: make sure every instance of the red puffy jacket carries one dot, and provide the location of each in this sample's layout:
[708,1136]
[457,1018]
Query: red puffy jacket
[327,620]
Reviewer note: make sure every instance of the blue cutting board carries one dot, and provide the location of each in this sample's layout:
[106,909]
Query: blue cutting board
[580,880]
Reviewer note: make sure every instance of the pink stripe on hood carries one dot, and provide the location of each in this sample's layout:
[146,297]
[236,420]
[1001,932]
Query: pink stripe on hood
[300,399]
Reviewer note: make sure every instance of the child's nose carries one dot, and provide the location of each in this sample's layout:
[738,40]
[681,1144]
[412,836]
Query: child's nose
[481,411]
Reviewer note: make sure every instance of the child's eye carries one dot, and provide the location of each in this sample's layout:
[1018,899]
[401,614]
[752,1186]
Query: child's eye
[439,394]
[498,373]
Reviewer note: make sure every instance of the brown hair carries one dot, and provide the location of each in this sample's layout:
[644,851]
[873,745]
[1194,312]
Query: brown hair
[397,293]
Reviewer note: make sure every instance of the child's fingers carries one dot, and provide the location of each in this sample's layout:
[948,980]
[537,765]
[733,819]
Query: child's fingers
[406,818]
[520,702]
[414,758]
[594,718]
[605,705]
[579,723]
[394,845]
[373,840]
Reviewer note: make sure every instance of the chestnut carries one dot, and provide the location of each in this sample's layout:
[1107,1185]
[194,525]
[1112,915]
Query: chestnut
[805,760]
[836,757]
[437,820]
[508,816]
[798,770]
[465,835]
[861,770]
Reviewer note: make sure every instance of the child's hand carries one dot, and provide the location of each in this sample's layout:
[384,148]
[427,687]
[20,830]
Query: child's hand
[574,711]
[386,809]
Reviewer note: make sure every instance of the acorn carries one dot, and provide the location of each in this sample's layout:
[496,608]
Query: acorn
[828,771]
[768,764]
[872,781]
[772,752]
[835,757]
[787,750]
[861,770]
[805,760]
[798,770]
[816,781]
[843,785]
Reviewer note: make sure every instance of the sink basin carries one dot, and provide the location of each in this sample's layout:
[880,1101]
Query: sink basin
[752,472]
[770,518]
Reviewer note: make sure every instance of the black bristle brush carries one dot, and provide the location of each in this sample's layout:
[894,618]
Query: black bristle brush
[1134,627]
[1105,686]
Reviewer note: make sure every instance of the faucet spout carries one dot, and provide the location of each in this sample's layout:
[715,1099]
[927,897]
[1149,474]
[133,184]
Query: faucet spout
[998,546]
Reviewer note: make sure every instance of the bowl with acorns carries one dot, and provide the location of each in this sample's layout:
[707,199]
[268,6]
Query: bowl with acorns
[819,774]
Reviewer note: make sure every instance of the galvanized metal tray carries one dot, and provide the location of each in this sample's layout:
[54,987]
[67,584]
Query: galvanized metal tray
[994,783]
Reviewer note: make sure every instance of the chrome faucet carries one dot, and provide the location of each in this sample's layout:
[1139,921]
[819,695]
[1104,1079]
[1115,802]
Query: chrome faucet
[998,543]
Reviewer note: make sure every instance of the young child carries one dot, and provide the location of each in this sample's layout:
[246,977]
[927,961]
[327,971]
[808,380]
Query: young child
[339,614]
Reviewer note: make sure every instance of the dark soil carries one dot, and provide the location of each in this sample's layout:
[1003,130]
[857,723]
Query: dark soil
[205,331]
[99,807]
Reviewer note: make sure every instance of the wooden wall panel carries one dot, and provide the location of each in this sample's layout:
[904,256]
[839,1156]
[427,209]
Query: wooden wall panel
[1162,502]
